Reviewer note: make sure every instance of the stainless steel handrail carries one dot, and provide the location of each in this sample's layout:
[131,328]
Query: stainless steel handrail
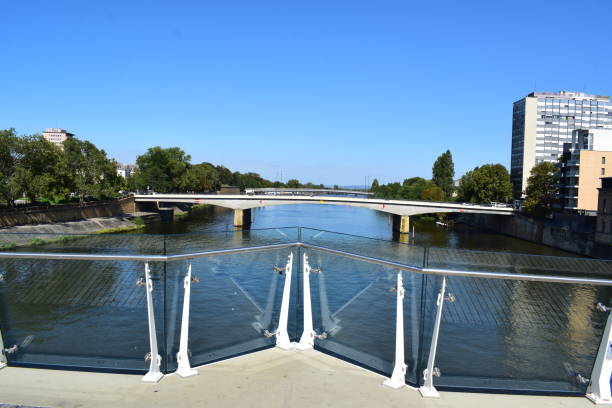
[378,261]
[472,274]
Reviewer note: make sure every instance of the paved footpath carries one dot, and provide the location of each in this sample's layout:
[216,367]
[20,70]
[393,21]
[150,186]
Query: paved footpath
[270,378]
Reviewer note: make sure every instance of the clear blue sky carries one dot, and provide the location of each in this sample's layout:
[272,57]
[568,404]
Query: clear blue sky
[326,91]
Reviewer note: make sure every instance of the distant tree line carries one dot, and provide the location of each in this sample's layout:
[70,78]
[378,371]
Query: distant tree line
[167,170]
[39,170]
[483,184]
[439,188]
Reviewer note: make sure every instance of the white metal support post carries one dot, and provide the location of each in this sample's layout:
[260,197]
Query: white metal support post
[599,389]
[398,377]
[3,360]
[182,357]
[282,335]
[428,389]
[154,374]
[308,335]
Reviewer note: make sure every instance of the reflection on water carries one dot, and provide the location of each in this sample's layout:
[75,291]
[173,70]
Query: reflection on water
[498,334]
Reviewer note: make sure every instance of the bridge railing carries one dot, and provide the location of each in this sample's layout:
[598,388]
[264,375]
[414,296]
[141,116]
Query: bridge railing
[421,316]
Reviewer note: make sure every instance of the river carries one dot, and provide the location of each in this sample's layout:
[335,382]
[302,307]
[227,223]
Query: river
[495,334]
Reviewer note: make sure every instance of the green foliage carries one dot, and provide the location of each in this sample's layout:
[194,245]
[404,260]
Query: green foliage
[200,178]
[119,230]
[162,169]
[33,167]
[541,189]
[90,174]
[432,192]
[7,245]
[487,183]
[443,172]
[293,183]
[138,221]
[374,186]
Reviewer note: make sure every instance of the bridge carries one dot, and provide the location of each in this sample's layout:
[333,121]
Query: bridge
[308,191]
[400,209]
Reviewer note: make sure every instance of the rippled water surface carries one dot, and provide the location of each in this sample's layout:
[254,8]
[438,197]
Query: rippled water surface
[509,335]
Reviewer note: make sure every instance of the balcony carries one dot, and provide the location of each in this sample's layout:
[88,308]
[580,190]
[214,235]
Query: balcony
[431,318]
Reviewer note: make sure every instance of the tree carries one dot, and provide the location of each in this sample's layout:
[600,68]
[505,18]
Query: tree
[412,188]
[225,175]
[201,178]
[432,192]
[89,172]
[39,170]
[541,189]
[374,186]
[9,146]
[293,183]
[443,172]
[162,169]
[487,183]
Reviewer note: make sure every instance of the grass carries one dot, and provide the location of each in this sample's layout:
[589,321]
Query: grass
[138,221]
[8,245]
[124,228]
[64,238]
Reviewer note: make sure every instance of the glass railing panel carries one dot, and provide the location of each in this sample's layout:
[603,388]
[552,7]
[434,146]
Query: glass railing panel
[519,335]
[81,314]
[117,244]
[177,244]
[460,259]
[235,299]
[372,247]
[354,306]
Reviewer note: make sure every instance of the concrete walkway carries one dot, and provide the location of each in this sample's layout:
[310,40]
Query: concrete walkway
[271,378]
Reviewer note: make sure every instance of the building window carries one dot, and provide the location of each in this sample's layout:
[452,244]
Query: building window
[603,160]
[603,171]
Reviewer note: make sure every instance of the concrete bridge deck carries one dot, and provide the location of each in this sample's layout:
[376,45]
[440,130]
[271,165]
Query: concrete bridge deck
[401,209]
[270,378]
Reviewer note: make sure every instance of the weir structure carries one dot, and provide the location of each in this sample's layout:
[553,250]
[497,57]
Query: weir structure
[428,318]
[401,210]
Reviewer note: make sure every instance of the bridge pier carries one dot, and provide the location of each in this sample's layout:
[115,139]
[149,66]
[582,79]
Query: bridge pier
[242,218]
[401,224]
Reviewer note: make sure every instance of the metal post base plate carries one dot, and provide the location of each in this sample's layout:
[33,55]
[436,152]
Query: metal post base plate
[186,372]
[152,377]
[429,392]
[285,345]
[597,400]
[395,384]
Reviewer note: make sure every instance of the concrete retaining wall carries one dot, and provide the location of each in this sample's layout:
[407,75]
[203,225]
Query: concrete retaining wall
[569,233]
[63,213]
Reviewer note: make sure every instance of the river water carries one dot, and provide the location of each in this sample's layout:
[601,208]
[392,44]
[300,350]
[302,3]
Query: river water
[495,334]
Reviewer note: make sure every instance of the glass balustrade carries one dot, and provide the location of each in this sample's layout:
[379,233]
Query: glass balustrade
[77,302]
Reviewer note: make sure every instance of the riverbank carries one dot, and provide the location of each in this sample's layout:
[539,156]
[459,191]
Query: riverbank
[568,233]
[23,235]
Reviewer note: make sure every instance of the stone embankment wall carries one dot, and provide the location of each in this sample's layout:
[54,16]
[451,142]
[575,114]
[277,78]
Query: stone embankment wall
[63,213]
[569,233]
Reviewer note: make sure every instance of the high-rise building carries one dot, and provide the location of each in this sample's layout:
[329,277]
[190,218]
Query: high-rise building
[56,136]
[542,122]
[583,164]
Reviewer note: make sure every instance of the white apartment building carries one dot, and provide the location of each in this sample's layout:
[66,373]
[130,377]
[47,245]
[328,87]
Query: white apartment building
[56,135]
[543,121]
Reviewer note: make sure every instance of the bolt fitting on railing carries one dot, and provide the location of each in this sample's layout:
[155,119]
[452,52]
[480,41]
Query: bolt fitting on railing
[11,350]
[321,336]
[435,373]
[315,270]
[450,298]
[279,269]
[582,379]
[602,308]
[1,277]
[140,282]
